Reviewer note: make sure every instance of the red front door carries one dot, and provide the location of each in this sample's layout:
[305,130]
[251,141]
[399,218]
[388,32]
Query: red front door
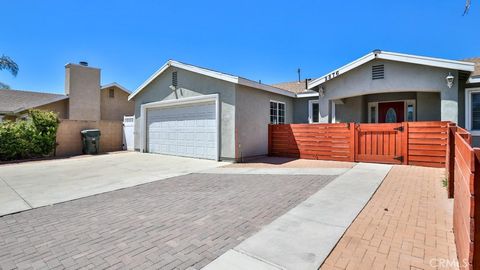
[391,112]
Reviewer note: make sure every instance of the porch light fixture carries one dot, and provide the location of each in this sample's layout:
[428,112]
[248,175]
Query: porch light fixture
[321,91]
[450,80]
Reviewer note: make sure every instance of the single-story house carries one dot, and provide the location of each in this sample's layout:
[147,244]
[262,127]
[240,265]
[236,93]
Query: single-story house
[84,98]
[191,111]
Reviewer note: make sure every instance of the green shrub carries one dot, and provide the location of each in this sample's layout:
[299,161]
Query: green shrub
[34,137]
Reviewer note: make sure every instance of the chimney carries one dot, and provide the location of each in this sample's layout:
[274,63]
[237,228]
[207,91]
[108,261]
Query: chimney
[82,85]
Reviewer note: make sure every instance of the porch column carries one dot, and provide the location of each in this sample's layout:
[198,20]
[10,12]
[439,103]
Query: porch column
[449,103]
[323,110]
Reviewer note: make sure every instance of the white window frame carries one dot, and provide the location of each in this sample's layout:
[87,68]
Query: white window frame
[370,105]
[310,110]
[468,109]
[412,102]
[406,103]
[278,115]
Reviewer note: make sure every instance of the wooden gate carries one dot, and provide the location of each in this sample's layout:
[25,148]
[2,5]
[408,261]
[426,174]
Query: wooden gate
[414,143]
[380,143]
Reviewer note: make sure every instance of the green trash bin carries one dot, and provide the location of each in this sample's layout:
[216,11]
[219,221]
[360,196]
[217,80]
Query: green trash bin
[91,141]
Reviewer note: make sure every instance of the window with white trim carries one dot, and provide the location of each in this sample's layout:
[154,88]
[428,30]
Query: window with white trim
[277,112]
[472,114]
[313,111]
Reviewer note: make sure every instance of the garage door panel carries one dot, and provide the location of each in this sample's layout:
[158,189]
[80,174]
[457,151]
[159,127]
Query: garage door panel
[188,130]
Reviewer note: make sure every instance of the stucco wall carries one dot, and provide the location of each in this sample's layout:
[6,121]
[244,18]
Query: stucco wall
[428,106]
[300,109]
[117,107]
[353,110]
[60,107]
[252,118]
[82,85]
[69,139]
[192,84]
[399,77]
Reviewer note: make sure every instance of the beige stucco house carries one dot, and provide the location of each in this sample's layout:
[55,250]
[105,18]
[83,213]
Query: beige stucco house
[84,98]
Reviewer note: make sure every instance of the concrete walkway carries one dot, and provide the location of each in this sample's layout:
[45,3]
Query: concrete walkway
[33,184]
[303,237]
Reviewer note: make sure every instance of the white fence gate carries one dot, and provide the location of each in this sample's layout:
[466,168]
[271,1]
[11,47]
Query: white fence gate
[128,129]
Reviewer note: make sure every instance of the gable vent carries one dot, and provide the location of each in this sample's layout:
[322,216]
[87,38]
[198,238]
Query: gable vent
[378,72]
[174,79]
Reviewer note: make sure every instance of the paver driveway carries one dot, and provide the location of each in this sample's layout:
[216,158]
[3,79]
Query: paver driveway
[186,221]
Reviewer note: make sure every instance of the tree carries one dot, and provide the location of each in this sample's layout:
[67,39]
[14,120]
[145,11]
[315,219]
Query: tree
[6,63]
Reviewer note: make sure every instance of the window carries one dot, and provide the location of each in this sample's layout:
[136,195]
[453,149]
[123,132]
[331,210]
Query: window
[472,115]
[391,116]
[372,112]
[277,112]
[313,111]
[372,118]
[111,92]
[410,113]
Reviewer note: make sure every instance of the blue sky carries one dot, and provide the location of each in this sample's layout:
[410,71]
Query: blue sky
[259,40]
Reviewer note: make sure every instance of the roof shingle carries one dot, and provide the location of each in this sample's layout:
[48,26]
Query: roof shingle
[295,87]
[12,101]
[476,61]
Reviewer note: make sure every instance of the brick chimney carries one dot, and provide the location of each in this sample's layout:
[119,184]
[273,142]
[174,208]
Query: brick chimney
[82,85]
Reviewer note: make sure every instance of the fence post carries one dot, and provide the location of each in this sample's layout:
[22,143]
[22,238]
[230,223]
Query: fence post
[405,143]
[270,137]
[353,139]
[450,158]
[475,250]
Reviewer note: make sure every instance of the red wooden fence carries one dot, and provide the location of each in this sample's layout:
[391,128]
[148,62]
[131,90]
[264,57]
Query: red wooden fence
[312,141]
[432,144]
[466,190]
[417,143]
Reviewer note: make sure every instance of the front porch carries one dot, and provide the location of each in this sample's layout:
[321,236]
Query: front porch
[383,108]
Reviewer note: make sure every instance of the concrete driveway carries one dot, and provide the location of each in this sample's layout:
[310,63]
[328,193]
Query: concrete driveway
[34,184]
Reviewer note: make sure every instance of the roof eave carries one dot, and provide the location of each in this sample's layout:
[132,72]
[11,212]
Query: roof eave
[213,74]
[398,57]
[115,84]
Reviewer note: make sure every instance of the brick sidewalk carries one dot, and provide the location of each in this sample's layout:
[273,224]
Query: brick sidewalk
[406,225]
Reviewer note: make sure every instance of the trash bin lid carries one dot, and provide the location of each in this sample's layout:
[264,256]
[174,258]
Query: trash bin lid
[91,132]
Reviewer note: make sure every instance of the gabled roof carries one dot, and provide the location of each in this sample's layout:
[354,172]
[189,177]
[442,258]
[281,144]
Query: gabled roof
[399,57]
[213,74]
[15,101]
[476,61]
[114,84]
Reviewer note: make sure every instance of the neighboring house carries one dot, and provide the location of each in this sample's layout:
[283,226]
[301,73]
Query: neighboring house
[191,111]
[84,98]
[306,102]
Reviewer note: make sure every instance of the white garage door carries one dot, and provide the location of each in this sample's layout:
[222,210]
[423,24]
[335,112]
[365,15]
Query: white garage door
[188,130]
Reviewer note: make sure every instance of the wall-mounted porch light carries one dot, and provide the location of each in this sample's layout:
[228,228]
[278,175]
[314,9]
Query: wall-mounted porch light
[321,91]
[450,79]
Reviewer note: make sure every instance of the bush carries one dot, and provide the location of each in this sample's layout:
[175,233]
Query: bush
[31,138]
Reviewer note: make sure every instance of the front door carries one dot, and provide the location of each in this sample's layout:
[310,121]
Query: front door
[391,112]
